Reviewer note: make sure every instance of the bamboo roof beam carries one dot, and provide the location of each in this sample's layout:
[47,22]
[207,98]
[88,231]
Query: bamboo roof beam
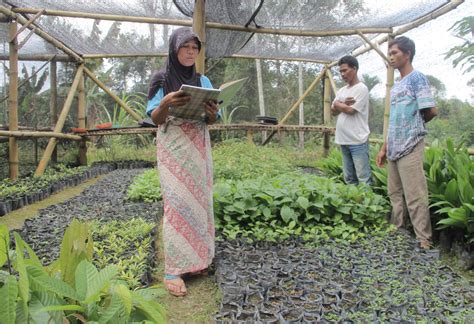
[42,34]
[41,57]
[214,25]
[453,4]
[119,101]
[375,47]
[28,134]
[28,23]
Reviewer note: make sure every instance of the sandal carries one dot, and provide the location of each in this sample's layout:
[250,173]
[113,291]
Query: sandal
[175,285]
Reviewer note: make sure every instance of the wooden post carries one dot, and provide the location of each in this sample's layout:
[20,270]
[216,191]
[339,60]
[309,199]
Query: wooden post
[13,159]
[250,136]
[261,100]
[301,108]
[81,119]
[199,27]
[53,100]
[389,84]
[327,111]
[59,126]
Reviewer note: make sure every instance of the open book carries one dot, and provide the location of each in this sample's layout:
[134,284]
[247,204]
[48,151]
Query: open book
[194,109]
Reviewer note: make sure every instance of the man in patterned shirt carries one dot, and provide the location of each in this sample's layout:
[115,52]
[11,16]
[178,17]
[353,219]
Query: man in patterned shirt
[411,106]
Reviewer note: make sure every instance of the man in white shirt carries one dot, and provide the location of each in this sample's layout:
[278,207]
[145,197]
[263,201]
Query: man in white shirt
[351,106]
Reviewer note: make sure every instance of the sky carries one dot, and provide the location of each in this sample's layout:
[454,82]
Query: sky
[432,40]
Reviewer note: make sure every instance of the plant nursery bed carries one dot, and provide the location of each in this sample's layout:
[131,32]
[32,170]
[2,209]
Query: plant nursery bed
[377,279]
[131,226]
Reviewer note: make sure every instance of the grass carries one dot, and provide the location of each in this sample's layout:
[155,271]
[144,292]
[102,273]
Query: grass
[201,301]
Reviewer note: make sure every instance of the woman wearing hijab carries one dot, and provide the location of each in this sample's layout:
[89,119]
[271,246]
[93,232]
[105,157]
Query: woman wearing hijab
[184,163]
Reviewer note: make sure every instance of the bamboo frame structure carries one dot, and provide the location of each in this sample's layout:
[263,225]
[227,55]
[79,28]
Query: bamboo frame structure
[72,56]
[388,88]
[374,47]
[331,80]
[32,134]
[296,104]
[199,27]
[81,119]
[13,155]
[214,25]
[113,95]
[42,34]
[53,100]
[327,99]
[59,125]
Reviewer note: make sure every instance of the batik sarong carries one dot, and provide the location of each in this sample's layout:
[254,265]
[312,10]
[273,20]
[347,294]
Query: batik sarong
[185,167]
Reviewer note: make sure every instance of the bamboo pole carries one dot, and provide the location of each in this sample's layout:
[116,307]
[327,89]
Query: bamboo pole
[42,34]
[296,104]
[81,120]
[388,87]
[119,101]
[53,101]
[327,111]
[376,48]
[13,154]
[99,56]
[301,107]
[59,125]
[331,80]
[327,100]
[45,57]
[28,23]
[261,98]
[300,100]
[214,25]
[32,134]
[199,27]
[280,58]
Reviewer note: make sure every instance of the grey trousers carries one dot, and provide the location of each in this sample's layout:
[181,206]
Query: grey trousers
[408,191]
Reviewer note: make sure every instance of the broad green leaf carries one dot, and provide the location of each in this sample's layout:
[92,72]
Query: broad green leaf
[152,310]
[303,202]
[115,308]
[75,247]
[124,293]
[287,213]
[451,192]
[57,286]
[4,244]
[23,281]
[8,300]
[99,281]
[44,299]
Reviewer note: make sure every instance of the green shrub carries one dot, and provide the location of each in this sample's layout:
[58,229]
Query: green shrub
[277,208]
[126,244]
[236,160]
[145,187]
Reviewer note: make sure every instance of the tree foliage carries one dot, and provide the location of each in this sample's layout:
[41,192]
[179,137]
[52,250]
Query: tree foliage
[463,54]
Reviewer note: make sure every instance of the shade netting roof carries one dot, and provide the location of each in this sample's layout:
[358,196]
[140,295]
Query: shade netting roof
[93,36]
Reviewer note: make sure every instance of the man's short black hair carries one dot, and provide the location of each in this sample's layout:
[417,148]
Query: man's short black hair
[350,60]
[405,44]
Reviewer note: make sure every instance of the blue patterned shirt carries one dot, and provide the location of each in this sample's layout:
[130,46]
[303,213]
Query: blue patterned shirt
[406,125]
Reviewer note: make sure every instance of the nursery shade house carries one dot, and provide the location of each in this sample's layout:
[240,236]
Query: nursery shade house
[317,31]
